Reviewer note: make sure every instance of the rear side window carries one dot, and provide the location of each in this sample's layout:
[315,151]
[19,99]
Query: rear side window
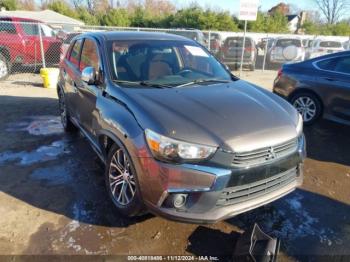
[330,44]
[75,52]
[288,42]
[339,64]
[89,55]
[238,42]
[343,65]
[6,26]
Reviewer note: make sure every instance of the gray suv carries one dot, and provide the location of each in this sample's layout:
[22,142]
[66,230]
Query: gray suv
[179,135]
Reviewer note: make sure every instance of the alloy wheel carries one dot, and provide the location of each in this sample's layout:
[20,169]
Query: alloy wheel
[121,180]
[306,107]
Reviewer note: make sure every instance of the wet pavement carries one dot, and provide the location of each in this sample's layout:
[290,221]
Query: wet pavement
[53,199]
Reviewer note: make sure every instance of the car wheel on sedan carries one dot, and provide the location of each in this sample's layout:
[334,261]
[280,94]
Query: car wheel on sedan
[121,182]
[64,114]
[308,105]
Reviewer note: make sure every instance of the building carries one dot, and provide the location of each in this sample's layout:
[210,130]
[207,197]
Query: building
[53,18]
[293,23]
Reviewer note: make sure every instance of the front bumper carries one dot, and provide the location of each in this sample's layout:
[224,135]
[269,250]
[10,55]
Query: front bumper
[207,187]
[281,60]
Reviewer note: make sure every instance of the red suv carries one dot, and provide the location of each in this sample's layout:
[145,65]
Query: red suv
[20,44]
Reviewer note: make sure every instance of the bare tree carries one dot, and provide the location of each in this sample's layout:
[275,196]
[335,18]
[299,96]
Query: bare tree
[333,10]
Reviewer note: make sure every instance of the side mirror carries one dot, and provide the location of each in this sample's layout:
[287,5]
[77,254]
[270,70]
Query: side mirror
[88,75]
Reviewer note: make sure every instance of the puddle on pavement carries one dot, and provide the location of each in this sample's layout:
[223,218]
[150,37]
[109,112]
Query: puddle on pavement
[38,125]
[53,176]
[41,154]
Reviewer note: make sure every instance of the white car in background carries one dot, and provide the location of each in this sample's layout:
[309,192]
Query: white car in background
[346,45]
[286,50]
[324,46]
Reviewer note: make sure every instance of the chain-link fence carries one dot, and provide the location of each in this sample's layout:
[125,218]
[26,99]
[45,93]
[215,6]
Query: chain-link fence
[25,47]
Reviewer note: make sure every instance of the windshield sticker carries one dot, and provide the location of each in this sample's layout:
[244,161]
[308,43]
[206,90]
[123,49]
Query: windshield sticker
[196,51]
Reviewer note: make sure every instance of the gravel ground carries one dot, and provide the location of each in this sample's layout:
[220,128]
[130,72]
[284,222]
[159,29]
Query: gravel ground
[53,201]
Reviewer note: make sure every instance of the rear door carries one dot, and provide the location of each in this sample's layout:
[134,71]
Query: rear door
[335,81]
[71,75]
[87,94]
[30,32]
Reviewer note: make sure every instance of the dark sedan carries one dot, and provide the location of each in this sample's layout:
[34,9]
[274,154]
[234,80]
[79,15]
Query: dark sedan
[177,132]
[318,87]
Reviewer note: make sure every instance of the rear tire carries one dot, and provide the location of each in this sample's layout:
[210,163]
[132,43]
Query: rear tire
[121,182]
[252,67]
[5,68]
[67,124]
[308,105]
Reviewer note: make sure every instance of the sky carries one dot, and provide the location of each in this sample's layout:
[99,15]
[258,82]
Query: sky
[233,5]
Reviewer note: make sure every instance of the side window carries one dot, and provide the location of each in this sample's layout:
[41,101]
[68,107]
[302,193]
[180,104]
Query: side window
[75,52]
[6,26]
[339,64]
[328,64]
[89,55]
[30,29]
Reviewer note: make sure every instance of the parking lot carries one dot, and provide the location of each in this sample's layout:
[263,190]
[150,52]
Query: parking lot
[53,199]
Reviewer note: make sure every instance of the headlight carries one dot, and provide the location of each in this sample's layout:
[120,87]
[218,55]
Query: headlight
[165,148]
[300,125]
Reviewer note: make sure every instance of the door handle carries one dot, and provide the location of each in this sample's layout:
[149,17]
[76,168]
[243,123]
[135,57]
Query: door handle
[329,79]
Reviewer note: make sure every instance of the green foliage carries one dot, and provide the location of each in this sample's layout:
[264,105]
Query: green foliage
[116,17]
[196,17]
[341,28]
[9,5]
[84,15]
[276,23]
[63,8]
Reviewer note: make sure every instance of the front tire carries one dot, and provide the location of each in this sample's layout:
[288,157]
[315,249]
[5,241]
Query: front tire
[308,105]
[121,182]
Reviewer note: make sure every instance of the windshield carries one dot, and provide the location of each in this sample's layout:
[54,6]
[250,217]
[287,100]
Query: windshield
[162,62]
[47,31]
[331,44]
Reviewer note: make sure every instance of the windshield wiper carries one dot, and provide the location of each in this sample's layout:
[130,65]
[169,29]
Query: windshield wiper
[147,83]
[198,81]
[142,83]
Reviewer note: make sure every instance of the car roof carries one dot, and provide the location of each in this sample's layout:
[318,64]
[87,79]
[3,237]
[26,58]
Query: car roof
[15,18]
[288,38]
[136,35]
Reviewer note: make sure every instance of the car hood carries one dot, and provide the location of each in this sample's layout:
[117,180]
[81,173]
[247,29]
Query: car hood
[237,116]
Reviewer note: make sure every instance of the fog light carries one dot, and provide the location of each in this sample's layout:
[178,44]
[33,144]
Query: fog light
[179,200]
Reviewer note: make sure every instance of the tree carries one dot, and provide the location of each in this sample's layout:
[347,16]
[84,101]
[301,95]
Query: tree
[8,4]
[86,17]
[116,17]
[332,10]
[62,7]
[273,23]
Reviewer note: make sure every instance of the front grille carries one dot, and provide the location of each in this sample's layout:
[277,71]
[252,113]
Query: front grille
[262,155]
[238,194]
